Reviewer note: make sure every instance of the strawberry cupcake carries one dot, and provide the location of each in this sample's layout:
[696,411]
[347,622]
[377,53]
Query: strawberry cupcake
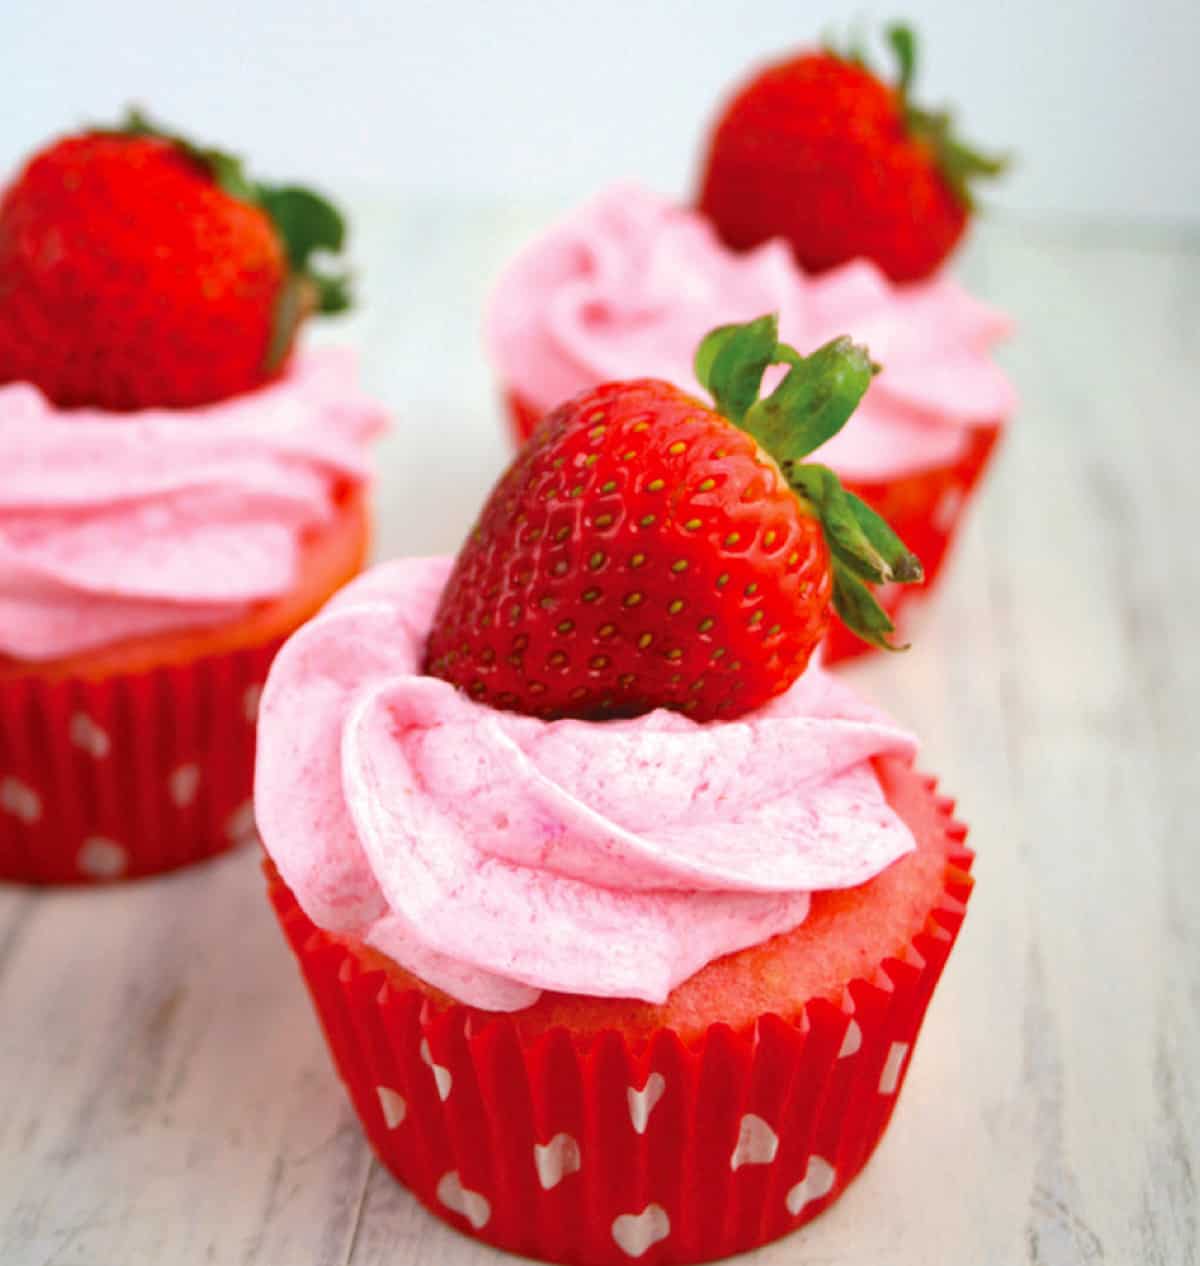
[180,493]
[620,915]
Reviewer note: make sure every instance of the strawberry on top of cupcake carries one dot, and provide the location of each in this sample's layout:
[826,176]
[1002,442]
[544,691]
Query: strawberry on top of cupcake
[644,550]
[139,270]
[820,150]
[182,487]
[494,737]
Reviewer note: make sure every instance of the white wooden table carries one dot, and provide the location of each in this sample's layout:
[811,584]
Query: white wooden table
[166,1098]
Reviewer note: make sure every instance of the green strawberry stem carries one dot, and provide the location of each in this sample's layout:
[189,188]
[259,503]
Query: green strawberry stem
[959,162]
[809,406]
[306,223]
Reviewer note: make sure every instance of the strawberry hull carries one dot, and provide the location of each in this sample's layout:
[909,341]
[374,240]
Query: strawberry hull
[926,511]
[605,1145]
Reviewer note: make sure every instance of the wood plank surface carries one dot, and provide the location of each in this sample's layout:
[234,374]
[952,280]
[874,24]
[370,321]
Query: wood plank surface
[165,1096]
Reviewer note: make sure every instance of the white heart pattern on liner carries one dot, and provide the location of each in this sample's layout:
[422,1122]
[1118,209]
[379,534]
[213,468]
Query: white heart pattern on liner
[101,858]
[441,1075]
[556,1159]
[757,1143]
[458,1199]
[20,800]
[889,1079]
[817,1182]
[183,783]
[946,511]
[393,1106]
[636,1232]
[85,733]
[642,1102]
[852,1042]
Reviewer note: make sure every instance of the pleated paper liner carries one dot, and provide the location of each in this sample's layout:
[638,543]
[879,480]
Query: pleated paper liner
[130,775]
[925,509]
[598,1149]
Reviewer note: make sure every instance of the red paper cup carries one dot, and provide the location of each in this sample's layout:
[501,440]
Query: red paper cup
[131,774]
[925,509]
[140,758]
[600,1149]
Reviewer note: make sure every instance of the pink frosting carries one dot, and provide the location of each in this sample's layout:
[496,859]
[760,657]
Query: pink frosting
[497,855]
[628,285]
[124,525]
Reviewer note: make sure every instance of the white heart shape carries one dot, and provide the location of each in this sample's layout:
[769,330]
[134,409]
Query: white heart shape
[441,1075]
[757,1143]
[393,1106]
[636,1232]
[556,1159]
[20,800]
[889,1079]
[85,733]
[250,701]
[852,1042]
[101,858]
[642,1102]
[240,826]
[946,511]
[183,783]
[817,1182]
[458,1199]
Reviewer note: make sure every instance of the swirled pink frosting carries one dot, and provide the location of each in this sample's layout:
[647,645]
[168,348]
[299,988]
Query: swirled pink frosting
[125,525]
[496,855]
[628,285]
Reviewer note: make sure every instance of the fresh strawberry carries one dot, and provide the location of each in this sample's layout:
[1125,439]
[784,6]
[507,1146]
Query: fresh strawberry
[819,150]
[137,270]
[645,550]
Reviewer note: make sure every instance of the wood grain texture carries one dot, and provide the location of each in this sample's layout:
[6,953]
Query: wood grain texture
[165,1096]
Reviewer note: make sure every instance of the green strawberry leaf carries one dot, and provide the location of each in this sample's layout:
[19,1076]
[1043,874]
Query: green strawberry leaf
[903,565]
[811,404]
[305,221]
[308,223]
[959,163]
[860,539]
[858,610]
[731,360]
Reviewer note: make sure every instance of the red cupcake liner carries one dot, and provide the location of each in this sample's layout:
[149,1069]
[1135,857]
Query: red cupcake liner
[595,1150]
[130,775]
[925,509]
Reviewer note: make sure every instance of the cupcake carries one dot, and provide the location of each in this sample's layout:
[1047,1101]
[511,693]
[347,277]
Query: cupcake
[630,282]
[180,492]
[618,959]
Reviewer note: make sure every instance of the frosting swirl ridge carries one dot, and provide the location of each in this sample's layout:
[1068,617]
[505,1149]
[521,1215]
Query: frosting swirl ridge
[628,285]
[117,525]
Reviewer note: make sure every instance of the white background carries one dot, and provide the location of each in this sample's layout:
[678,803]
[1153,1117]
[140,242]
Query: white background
[537,100]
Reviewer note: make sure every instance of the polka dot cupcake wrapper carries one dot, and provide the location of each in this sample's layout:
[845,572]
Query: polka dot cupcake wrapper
[130,775]
[926,510]
[592,1150]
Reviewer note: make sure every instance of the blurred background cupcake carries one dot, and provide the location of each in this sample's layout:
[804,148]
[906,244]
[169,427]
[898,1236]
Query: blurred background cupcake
[181,489]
